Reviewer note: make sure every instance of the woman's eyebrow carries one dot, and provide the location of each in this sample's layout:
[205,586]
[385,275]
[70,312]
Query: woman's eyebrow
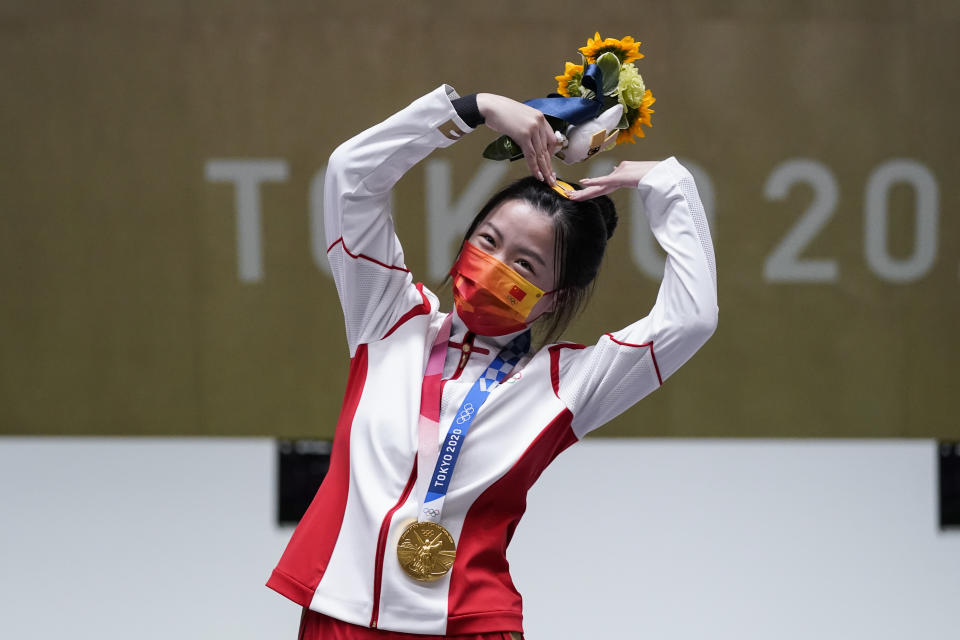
[494,227]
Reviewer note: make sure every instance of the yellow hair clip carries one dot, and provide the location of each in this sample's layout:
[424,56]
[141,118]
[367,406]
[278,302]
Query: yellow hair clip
[563,188]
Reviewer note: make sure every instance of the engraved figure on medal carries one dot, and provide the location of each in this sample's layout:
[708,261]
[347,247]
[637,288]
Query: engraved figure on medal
[426,551]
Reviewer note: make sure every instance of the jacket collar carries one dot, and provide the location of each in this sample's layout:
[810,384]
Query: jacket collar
[459,330]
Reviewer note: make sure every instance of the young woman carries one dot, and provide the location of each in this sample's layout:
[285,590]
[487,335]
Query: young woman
[449,417]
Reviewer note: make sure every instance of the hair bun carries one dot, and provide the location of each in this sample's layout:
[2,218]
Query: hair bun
[608,213]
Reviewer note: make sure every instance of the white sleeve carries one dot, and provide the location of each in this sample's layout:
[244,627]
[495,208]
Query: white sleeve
[375,287]
[601,381]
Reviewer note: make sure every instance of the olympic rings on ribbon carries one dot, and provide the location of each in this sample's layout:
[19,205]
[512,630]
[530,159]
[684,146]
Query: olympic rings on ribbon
[431,512]
[466,413]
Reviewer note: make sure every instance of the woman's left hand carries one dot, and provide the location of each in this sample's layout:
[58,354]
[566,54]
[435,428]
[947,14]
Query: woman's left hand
[628,173]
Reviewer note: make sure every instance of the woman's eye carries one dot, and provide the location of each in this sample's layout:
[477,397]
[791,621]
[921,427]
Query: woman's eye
[526,265]
[486,237]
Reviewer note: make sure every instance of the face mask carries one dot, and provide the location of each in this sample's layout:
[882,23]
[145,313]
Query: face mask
[491,298]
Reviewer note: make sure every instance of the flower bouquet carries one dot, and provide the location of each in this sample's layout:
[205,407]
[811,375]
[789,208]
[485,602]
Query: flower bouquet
[599,103]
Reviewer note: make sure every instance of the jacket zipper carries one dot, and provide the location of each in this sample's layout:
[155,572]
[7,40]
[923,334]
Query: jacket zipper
[382,546]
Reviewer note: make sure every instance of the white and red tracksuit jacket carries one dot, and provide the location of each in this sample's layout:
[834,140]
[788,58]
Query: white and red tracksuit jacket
[341,559]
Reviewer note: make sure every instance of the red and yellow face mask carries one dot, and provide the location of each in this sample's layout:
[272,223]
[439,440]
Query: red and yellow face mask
[491,298]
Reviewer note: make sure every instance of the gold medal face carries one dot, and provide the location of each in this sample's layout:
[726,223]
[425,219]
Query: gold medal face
[426,551]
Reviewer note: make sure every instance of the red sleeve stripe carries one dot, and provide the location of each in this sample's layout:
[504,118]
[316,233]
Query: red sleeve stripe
[555,363]
[649,345]
[418,310]
[360,255]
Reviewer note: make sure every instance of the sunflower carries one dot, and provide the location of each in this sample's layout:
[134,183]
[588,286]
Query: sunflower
[626,49]
[637,117]
[568,85]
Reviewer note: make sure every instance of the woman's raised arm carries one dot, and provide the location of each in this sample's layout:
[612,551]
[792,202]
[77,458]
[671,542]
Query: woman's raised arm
[601,381]
[366,259]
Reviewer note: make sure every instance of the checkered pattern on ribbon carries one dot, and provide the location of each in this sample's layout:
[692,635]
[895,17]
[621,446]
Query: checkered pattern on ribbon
[517,348]
[504,363]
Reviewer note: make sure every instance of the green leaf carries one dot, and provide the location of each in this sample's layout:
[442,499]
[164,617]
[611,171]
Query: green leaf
[503,148]
[610,68]
[624,122]
[556,123]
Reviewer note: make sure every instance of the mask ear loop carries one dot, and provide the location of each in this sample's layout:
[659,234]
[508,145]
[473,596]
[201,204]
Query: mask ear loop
[530,321]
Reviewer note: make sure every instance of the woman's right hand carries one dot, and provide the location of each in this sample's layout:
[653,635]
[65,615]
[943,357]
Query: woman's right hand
[627,174]
[527,127]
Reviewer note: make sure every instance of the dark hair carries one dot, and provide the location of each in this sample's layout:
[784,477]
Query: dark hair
[583,228]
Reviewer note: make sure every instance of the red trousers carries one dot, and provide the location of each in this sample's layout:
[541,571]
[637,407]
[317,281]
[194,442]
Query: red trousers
[316,626]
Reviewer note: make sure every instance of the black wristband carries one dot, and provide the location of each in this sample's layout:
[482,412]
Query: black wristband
[468,111]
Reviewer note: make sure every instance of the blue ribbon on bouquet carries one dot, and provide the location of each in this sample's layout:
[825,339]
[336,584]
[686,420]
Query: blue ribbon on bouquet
[570,110]
[574,110]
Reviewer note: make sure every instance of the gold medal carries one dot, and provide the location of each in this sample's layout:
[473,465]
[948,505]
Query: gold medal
[426,551]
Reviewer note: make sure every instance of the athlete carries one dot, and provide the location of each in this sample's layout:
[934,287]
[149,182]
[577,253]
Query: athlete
[450,415]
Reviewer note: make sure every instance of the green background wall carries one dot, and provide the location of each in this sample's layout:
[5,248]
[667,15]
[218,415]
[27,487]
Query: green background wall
[824,134]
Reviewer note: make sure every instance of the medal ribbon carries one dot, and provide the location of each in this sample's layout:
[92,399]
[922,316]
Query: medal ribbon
[428,427]
[429,424]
